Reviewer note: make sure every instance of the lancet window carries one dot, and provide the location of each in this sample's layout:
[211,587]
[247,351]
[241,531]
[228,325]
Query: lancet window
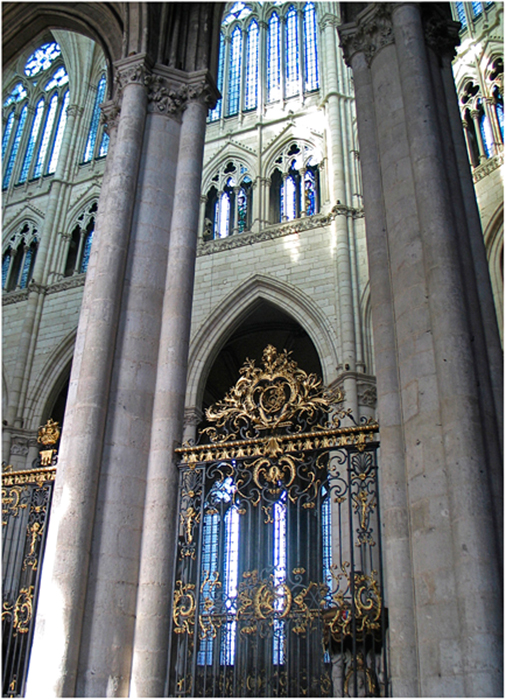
[294,188]
[79,242]
[35,113]
[228,207]
[483,115]
[97,141]
[287,63]
[18,259]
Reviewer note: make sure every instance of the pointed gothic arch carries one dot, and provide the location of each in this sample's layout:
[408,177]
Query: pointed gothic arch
[222,322]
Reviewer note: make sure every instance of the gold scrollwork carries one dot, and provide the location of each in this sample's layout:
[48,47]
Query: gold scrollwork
[21,611]
[184,608]
[366,609]
[35,531]
[11,502]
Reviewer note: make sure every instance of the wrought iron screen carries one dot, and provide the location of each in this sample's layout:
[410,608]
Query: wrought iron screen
[26,502]
[278,585]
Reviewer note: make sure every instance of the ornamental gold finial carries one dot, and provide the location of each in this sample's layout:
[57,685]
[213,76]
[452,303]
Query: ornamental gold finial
[49,433]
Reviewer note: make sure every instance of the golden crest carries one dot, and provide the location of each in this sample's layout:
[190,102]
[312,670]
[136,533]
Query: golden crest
[49,434]
[271,397]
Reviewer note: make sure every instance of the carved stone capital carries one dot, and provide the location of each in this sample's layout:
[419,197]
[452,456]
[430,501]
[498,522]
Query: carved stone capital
[168,95]
[19,446]
[131,70]
[74,110]
[369,33]
[109,116]
[328,20]
[192,416]
[441,34]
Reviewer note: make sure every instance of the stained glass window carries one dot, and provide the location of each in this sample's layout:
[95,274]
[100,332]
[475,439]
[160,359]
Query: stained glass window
[279,549]
[215,113]
[7,132]
[51,116]
[39,111]
[237,11]
[59,135]
[292,52]
[59,78]
[242,210]
[499,109]
[6,261]
[274,59]
[310,48]
[486,133]
[230,575]
[288,198]
[95,120]
[18,94]
[309,193]
[27,266]
[252,67]
[15,147]
[104,145]
[234,77]
[224,215]
[461,13]
[87,249]
[477,8]
[42,58]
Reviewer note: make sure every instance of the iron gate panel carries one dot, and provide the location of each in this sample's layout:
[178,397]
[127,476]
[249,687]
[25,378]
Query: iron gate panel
[278,584]
[26,504]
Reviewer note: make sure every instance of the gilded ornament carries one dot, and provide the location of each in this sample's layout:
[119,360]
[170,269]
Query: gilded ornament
[49,434]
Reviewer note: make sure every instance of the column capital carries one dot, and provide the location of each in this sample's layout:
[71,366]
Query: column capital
[328,20]
[168,95]
[369,33]
[74,110]
[132,70]
[441,34]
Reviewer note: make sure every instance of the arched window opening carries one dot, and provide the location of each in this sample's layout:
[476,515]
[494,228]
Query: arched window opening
[310,192]
[292,52]
[486,130]
[499,109]
[53,160]
[228,206]
[244,205]
[251,96]
[34,134]
[274,59]
[18,259]
[310,48]
[234,79]
[224,212]
[296,192]
[15,147]
[17,94]
[81,239]
[290,195]
[7,132]
[95,123]
[275,196]
[48,130]
[215,113]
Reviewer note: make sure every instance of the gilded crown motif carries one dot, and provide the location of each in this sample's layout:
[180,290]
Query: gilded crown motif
[49,433]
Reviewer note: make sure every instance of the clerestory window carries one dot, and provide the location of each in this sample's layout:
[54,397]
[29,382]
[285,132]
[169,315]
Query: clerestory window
[97,142]
[79,242]
[276,47]
[294,189]
[228,205]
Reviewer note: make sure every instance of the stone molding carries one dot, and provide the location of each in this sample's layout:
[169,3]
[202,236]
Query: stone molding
[369,33]
[22,294]
[276,230]
[67,283]
[488,167]
[14,297]
[192,417]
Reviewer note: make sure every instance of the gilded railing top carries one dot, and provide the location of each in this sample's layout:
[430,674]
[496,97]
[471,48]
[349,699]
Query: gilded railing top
[28,476]
[277,397]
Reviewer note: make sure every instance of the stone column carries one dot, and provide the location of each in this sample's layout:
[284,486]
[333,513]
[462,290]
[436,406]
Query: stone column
[488,104]
[339,224]
[56,646]
[475,116]
[159,526]
[452,536]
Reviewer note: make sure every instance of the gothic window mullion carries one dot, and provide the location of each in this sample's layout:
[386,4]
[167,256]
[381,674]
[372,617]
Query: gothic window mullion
[300,57]
[475,116]
[262,67]
[9,170]
[35,134]
[59,132]
[488,103]
[47,135]
[82,236]
[226,72]
[282,22]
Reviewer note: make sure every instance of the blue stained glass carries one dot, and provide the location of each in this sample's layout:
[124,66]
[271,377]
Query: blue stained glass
[5,266]
[95,119]
[17,95]
[487,136]
[477,8]
[224,215]
[60,130]
[237,11]
[292,52]
[289,193]
[59,78]
[86,252]
[499,110]
[215,113]
[104,145]
[310,48]
[42,58]
[252,67]
[234,78]
[7,132]
[53,106]
[32,140]
[242,210]
[15,147]
[230,575]
[309,193]
[461,13]
[274,60]
[26,267]
[209,564]
[279,578]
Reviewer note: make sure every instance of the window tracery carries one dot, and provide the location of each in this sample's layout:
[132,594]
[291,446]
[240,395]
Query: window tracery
[483,115]
[93,132]
[80,241]
[294,189]
[38,103]
[287,63]
[228,206]
[18,259]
